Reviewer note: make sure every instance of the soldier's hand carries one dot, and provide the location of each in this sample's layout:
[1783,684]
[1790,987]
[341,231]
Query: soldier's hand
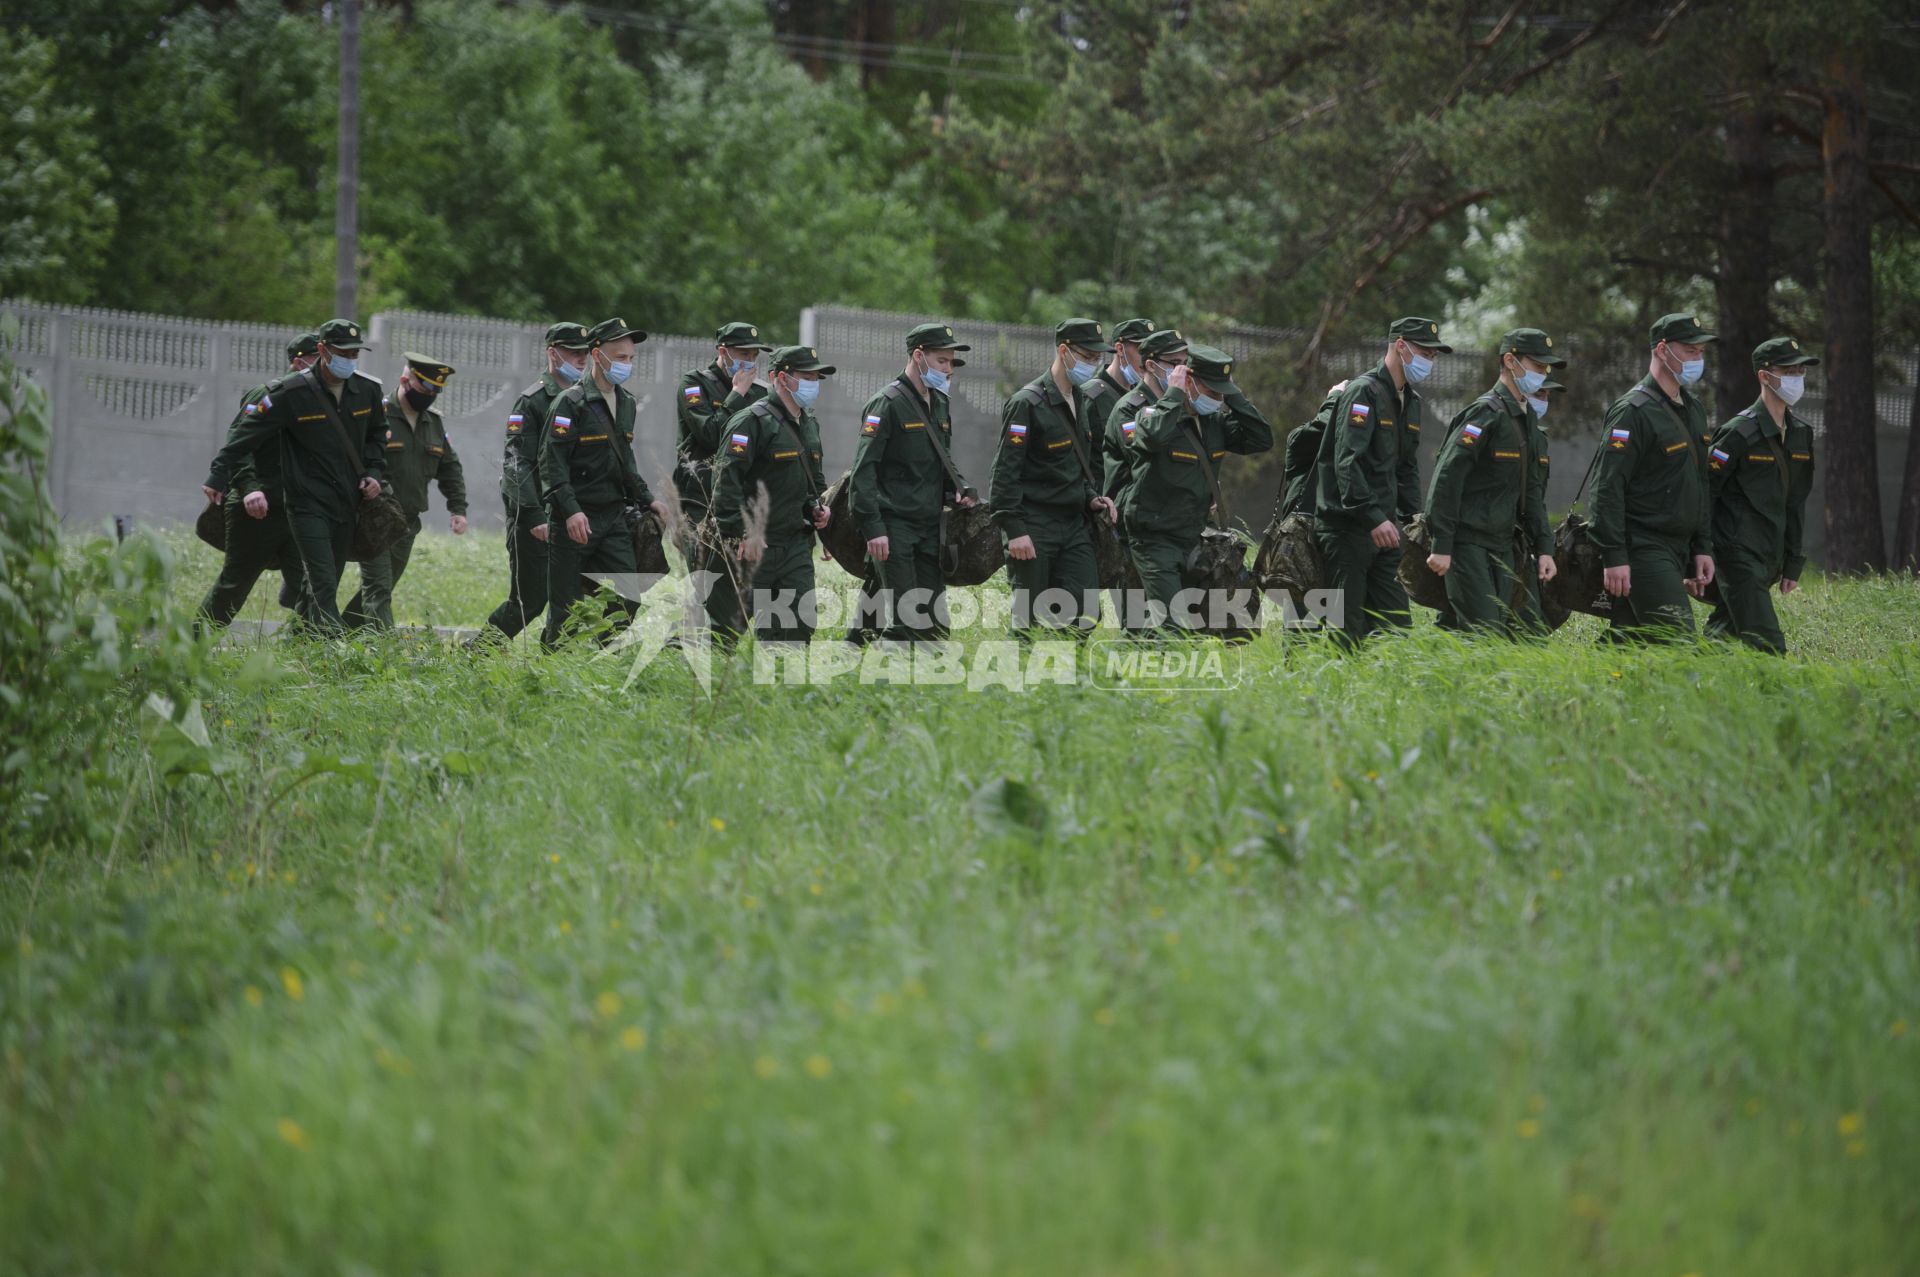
[659,508]
[1104,505]
[1703,569]
[820,516]
[578,529]
[743,380]
[539,531]
[1440,563]
[1181,378]
[369,488]
[1387,535]
[1618,581]
[750,549]
[1336,388]
[966,501]
[256,504]
[877,548]
[214,496]
[459,525]
[1548,568]
[1788,587]
[1020,548]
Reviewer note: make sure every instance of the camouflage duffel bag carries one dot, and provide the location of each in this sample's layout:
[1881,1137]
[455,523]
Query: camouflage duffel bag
[649,541]
[1422,585]
[1290,558]
[1578,584]
[840,539]
[1218,565]
[377,525]
[972,550]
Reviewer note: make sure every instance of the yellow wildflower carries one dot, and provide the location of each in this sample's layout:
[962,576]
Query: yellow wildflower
[291,1132]
[819,1066]
[633,1038]
[607,1005]
[290,981]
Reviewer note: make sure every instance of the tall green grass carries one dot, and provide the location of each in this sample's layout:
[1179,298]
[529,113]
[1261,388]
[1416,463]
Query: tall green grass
[1448,958]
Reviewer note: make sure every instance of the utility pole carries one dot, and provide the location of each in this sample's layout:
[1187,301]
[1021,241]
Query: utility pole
[346,209]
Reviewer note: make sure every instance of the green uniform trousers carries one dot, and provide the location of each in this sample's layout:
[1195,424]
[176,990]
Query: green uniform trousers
[780,590]
[371,606]
[1158,557]
[1658,607]
[527,564]
[1368,579]
[1745,609]
[251,545]
[909,589]
[1480,590]
[1059,587]
[609,549]
[322,541]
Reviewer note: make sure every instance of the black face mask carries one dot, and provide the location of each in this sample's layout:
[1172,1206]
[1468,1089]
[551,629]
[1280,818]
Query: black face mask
[420,400]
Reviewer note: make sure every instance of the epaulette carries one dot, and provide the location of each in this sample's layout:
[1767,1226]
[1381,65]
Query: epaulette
[1032,394]
[534,389]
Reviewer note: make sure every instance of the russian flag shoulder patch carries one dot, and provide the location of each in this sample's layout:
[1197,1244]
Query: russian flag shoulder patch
[1359,414]
[1470,434]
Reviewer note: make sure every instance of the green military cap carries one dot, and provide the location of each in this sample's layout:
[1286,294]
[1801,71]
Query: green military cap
[1133,330]
[741,337]
[304,344]
[1534,344]
[1678,328]
[1213,366]
[342,334]
[1081,332]
[798,359]
[568,336]
[613,330]
[428,369]
[934,337]
[1163,342]
[1424,333]
[1782,352]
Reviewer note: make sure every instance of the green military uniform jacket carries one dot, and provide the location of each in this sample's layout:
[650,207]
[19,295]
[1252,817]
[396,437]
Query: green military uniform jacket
[1761,477]
[1653,474]
[1491,478]
[317,466]
[708,404]
[764,445]
[1116,463]
[1169,491]
[1038,465]
[1368,471]
[896,472]
[586,452]
[520,467]
[419,453]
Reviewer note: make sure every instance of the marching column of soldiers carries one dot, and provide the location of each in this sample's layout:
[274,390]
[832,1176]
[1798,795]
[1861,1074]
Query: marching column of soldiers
[1115,443]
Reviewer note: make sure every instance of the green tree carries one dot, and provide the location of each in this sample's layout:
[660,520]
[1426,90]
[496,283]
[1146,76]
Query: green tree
[55,221]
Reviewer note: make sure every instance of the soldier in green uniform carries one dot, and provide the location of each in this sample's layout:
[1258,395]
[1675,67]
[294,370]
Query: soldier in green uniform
[775,445]
[1160,352]
[255,510]
[527,528]
[709,397]
[1367,473]
[1651,503]
[1760,466]
[334,458]
[418,453]
[1044,483]
[1486,502]
[588,476]
[1116,377]
[1177,446]
[903,475]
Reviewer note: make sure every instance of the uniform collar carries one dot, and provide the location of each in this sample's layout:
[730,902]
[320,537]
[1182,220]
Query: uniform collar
[906,384]
[1508,401]
[1380,374]
[1758,411]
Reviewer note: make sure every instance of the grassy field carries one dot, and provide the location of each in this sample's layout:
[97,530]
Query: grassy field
[1446,959]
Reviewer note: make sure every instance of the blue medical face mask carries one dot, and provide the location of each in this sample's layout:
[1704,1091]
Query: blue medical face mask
[937,380]
[568,372]
[1539,406]
[1417,366]
[805,392]
[1082,372]
[341,366]
[1690,370]
[618,372]
[1205,405]
[737,366]
[1128,375]
[1528,380]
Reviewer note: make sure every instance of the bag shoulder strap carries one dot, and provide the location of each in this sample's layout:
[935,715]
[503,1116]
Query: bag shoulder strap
[764,409]
[356,463]
[1206,468]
